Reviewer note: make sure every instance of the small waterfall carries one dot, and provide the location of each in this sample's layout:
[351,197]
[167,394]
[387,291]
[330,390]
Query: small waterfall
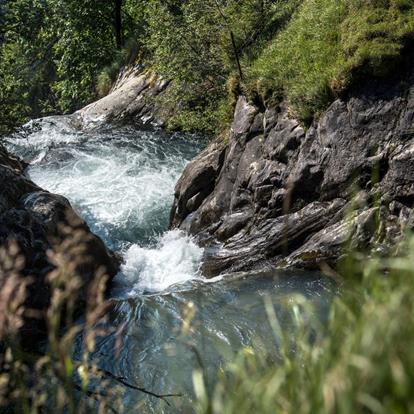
[175,259]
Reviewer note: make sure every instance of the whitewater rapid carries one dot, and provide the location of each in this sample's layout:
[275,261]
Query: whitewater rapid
[122,183]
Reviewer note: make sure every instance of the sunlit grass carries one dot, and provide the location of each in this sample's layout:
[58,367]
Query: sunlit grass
[326,46]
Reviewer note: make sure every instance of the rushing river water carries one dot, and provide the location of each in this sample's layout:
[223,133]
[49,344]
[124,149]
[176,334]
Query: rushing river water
[122,181]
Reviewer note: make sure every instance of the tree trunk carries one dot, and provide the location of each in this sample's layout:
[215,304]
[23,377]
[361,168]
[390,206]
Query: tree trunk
[118,24]
[236,55]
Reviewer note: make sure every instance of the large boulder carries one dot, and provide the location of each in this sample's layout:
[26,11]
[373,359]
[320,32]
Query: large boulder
[38,223]
[277,194]
[133,98]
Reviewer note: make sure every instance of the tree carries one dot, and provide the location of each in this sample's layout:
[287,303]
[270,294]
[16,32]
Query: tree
[52,51]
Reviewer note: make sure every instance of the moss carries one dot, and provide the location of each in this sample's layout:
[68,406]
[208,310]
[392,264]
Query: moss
[103,84]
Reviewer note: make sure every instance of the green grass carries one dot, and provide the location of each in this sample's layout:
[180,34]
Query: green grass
[305,51]
[326,45]
[362,362]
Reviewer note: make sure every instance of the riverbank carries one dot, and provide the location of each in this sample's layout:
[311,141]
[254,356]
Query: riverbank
[42,234]
[274,194]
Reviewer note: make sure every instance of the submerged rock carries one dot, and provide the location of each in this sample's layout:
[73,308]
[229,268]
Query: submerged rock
[39,223]
[278,195]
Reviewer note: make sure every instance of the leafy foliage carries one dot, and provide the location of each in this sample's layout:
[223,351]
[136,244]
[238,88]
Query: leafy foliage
[197,43]
[51,55]
[57,55]
[24,62]
[307,51]
[85,44]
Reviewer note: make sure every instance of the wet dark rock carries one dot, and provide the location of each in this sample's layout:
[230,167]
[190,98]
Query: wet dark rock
[194,187]
[286,196]
[39,222]
[14,163]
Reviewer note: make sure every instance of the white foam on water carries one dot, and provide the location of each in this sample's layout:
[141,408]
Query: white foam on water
[114,187]
[53,130]
[176,259]
[122,184]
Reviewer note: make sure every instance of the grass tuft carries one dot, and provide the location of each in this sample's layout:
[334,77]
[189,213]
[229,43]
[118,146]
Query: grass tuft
[362,362]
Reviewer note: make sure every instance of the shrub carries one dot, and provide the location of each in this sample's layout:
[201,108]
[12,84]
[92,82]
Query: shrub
[122,58]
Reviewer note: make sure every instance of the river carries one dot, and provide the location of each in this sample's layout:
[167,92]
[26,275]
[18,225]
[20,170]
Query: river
[121,180]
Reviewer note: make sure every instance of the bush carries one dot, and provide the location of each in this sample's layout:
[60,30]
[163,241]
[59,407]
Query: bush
[125,57]
[103,83]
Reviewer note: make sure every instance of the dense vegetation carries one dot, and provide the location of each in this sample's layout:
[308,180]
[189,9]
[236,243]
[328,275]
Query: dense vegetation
[51,55]
[58,55]
[361,362]
[328,44]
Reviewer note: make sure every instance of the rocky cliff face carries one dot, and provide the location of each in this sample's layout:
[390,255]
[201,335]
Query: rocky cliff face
[277,195]
[40,223]
[133,99]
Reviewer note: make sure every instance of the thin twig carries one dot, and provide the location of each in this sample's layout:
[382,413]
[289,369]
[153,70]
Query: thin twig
[222,14]
[198,356]
[122,381]
[233,40]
